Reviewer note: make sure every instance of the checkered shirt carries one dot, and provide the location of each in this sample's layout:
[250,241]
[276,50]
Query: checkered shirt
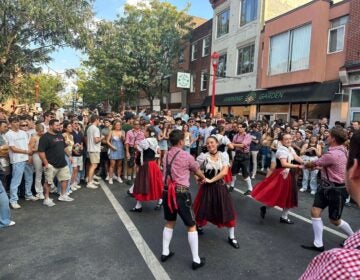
[339,263]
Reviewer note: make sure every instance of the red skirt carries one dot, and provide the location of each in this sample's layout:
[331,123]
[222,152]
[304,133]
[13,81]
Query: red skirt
[277,191]
[228,176]
[214,204]
[148,183]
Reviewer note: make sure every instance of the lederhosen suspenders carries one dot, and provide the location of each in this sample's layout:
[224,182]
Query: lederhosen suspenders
[170,184]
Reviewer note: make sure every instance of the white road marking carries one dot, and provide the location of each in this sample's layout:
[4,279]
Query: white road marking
[150,259]
[337,233]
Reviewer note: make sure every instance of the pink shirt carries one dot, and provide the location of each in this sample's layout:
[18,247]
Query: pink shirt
[134,137]
[183,164]
[334,161]
[243,139]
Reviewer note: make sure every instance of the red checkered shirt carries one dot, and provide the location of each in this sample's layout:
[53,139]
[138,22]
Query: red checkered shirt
[339,263]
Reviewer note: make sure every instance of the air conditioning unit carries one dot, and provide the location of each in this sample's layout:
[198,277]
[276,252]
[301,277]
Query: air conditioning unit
[344,77]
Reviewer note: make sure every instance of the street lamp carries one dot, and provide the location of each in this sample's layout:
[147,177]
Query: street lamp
[215,61]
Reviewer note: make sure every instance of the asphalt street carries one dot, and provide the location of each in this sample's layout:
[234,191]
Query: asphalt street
[94,238]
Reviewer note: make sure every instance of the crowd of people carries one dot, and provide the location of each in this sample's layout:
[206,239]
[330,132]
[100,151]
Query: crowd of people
[59,153]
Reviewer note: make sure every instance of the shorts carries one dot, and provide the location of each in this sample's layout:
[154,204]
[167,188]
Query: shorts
[184,210]
[62,174]
[334,198]
[241,161]
[94,157]
[78,162]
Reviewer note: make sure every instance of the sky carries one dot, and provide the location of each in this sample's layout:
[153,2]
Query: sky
[108,9]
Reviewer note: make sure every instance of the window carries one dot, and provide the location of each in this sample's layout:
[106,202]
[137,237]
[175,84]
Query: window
[193,51]
[204,80]
[181,55]
[192,83]
[290,51]
[221,70]
[206,46]
[337,34]
[223,23]
[355,98]
[246,59]
[248,11]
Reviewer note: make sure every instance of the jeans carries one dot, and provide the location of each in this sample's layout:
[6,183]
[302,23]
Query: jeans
[39,170]
[265,157]
[4,207]
[18,170]
[312,174]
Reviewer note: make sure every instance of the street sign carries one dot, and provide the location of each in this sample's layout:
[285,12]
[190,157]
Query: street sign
[183,80]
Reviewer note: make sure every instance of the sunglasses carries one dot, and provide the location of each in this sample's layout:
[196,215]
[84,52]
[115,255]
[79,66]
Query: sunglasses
[23,125]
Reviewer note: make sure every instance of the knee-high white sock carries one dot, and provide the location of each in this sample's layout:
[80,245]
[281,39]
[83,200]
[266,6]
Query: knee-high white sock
[285,213]
[346,228]
[318,228]
[167,235]
[194,245]
[131,190]
[232,232]
[248,183]
[233,181]
[138,204]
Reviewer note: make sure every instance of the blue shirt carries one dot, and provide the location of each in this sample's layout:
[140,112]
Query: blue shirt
[194,134]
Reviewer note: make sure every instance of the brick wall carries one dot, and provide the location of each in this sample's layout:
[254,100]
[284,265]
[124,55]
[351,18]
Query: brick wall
[353,38]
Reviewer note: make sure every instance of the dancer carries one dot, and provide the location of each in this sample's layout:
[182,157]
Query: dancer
[148,184]
[279,189]
[213,202]
[177,199]
[332,192]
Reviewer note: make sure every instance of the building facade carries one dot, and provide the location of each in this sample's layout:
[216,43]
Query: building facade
[350,73]
[236,37]
[299,61]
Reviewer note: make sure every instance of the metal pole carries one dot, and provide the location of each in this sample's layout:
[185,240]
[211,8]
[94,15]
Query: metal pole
[212,112]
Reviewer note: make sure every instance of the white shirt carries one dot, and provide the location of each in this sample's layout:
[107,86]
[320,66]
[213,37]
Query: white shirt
[92,133]
[18,140]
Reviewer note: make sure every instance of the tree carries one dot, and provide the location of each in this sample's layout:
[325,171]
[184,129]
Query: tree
[50,87]
[138,49]
[31,29]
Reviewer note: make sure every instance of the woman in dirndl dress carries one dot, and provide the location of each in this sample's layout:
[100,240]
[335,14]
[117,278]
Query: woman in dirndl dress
[213,202]
[148,184]
[280,189]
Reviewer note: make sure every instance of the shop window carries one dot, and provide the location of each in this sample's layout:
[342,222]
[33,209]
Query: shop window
[223,23]
[337,34]
[290,51]
[221,70]
[318,111]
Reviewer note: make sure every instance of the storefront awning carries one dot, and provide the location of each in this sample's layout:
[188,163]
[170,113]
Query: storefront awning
[293,94]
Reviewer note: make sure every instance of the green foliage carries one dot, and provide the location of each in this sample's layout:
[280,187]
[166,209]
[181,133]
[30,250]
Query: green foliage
[31,29]
[135,51]
[50,87]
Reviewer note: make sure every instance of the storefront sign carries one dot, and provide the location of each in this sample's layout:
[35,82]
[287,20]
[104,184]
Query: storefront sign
[183,80]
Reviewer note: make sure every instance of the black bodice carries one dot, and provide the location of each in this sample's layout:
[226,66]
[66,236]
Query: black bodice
[149,154]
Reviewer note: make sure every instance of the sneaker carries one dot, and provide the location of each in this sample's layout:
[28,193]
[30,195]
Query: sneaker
[78,187]
[12,223]
[313,192]
[96,177]
[15,205]
[262,169]
[119,180]
[303,190]
[91,186]
[73,188]
[253,177]
[48,202]
[95,183]
[111,181]
[65,197]
[107,178]
[40,196]
[69,192]
[32,198]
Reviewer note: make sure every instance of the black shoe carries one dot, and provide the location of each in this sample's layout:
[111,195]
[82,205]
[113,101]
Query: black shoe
[164,258]
[129,193]
[262,211]
[196,265]
[248,192]
[286,221]
[136,210]
[313,248]
[233,242]
[158,206]
[231,189]
[200,230]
